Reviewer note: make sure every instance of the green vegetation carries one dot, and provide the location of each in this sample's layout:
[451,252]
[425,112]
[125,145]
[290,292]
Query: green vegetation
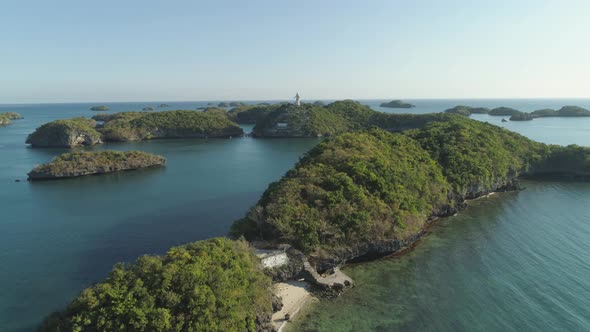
[566,111]
[396,104]
[522,117]
[212,285]
[169,124]
[573,111]
[319,103]
[223,104]
[85,163]
[4,120]
[99,108]
[215,110]
[359,189]
[7,116]
[65,133]
[503,111]
[250,114]
[356,187]
[312,121]
[401,122]
[122,116]
[12,115]
[476,156]
[287,120]
[460,110]
[546,112]
[236,104]
[571,161]
[467,110]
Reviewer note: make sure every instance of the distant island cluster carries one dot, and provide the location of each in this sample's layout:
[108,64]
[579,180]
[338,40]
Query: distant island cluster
[515,115]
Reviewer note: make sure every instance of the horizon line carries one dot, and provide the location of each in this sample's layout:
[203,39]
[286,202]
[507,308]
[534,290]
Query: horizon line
[280,100]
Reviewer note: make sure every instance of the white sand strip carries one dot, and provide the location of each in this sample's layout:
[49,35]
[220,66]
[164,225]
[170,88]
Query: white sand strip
[295,295]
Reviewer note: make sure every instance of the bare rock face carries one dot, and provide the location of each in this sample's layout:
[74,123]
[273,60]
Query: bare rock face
[66,133]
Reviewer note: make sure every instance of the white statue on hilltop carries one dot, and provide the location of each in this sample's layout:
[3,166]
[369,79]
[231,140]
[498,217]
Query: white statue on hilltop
[297,100]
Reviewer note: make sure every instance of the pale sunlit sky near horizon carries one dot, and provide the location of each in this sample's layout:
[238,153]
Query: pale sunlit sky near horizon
[142,50]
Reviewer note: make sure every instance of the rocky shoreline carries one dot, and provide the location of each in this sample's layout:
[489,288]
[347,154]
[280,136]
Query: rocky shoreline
[133,126]
[294,273]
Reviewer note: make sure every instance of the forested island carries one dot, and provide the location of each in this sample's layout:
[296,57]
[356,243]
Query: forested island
[66,133]
[397,104]
[168,124]
[76,164]
[7,116]
[132,126]
[363,193]
[211,285]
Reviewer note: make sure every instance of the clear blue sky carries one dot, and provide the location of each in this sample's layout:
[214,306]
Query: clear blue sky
[136,50]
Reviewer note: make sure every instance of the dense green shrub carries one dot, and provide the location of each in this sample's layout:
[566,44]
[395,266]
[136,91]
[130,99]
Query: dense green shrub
[503,111]
[367,186]
[134,126]
[353,188]
[212,285]
[477,154]
[64,133]
[396,104]
[86,162]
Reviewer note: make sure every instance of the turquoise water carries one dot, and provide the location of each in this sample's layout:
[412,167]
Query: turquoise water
[58,237]
[511,262]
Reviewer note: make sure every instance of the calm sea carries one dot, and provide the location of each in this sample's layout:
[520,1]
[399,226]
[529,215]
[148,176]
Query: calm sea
[516,261]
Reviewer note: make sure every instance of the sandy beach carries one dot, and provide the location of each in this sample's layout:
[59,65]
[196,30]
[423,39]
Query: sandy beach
[295,295]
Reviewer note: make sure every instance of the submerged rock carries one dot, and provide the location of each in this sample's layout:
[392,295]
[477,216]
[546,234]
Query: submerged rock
[76,164]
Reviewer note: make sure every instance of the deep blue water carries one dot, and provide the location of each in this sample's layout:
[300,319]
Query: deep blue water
[58,237]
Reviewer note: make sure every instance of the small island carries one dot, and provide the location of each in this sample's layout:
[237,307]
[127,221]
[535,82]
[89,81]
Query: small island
[504,111]
[129,126]
[66,133]
[148,109]
[99,108]
[7,116]
[467,110]
[236,104]
[522,117]
[397,104]
[223,104]
[77,164]
[163,105]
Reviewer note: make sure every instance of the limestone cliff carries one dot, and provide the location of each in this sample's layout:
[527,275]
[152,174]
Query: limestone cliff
[65,133]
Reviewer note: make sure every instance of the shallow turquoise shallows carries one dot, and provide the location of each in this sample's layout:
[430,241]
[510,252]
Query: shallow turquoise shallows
[516,261]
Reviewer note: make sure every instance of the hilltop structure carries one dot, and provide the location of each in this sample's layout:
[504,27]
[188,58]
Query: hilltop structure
[297,100]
